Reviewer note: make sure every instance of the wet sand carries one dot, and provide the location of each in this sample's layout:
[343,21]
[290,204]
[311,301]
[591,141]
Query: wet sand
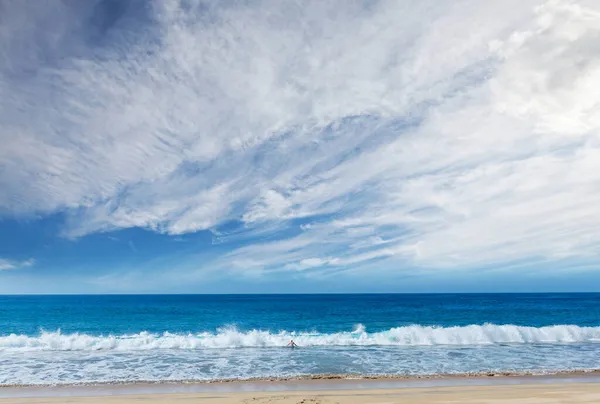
[548,393]
[573,388]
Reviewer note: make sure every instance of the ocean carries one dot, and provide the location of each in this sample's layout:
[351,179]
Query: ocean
[50,340]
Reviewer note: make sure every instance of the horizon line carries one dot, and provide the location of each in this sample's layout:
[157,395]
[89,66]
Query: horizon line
[297,294]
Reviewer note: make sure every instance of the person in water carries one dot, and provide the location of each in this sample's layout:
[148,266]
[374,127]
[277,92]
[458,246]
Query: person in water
[292,344]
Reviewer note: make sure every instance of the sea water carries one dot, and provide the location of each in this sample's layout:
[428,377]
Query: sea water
[161,338]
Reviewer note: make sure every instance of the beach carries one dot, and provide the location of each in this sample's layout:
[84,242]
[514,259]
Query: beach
[526,393]
[303,201]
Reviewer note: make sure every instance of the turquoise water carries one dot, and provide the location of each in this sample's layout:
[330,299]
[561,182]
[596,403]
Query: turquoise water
[106,339]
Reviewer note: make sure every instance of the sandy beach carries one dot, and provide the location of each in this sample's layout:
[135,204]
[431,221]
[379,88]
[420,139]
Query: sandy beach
[534,393]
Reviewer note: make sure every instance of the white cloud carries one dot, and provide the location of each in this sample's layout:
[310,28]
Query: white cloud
[6,264]
[425,133]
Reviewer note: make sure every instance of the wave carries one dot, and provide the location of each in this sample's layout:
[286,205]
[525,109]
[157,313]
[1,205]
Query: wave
[413,335]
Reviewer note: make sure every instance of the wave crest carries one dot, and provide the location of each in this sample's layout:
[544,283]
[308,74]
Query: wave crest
[413,335]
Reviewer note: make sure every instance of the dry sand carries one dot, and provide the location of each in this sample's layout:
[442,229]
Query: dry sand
[518,394]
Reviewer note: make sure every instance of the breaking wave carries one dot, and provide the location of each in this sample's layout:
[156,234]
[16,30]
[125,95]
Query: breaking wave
[413,335]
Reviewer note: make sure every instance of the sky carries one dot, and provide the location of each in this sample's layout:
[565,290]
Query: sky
[187,146]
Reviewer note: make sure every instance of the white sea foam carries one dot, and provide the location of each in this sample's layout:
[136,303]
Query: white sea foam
[413,335]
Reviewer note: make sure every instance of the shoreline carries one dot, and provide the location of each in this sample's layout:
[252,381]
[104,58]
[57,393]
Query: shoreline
[298,384]
[327,376]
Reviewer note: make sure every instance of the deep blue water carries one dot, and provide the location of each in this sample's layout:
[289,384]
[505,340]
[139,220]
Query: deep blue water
[87,339]
[120,314]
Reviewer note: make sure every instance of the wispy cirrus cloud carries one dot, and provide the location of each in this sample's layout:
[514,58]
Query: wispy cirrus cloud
[436,135]
[6,264]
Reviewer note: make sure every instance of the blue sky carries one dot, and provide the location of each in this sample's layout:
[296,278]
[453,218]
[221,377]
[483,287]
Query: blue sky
[316,146]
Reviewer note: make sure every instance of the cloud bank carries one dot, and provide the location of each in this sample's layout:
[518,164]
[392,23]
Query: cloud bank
[331,134]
